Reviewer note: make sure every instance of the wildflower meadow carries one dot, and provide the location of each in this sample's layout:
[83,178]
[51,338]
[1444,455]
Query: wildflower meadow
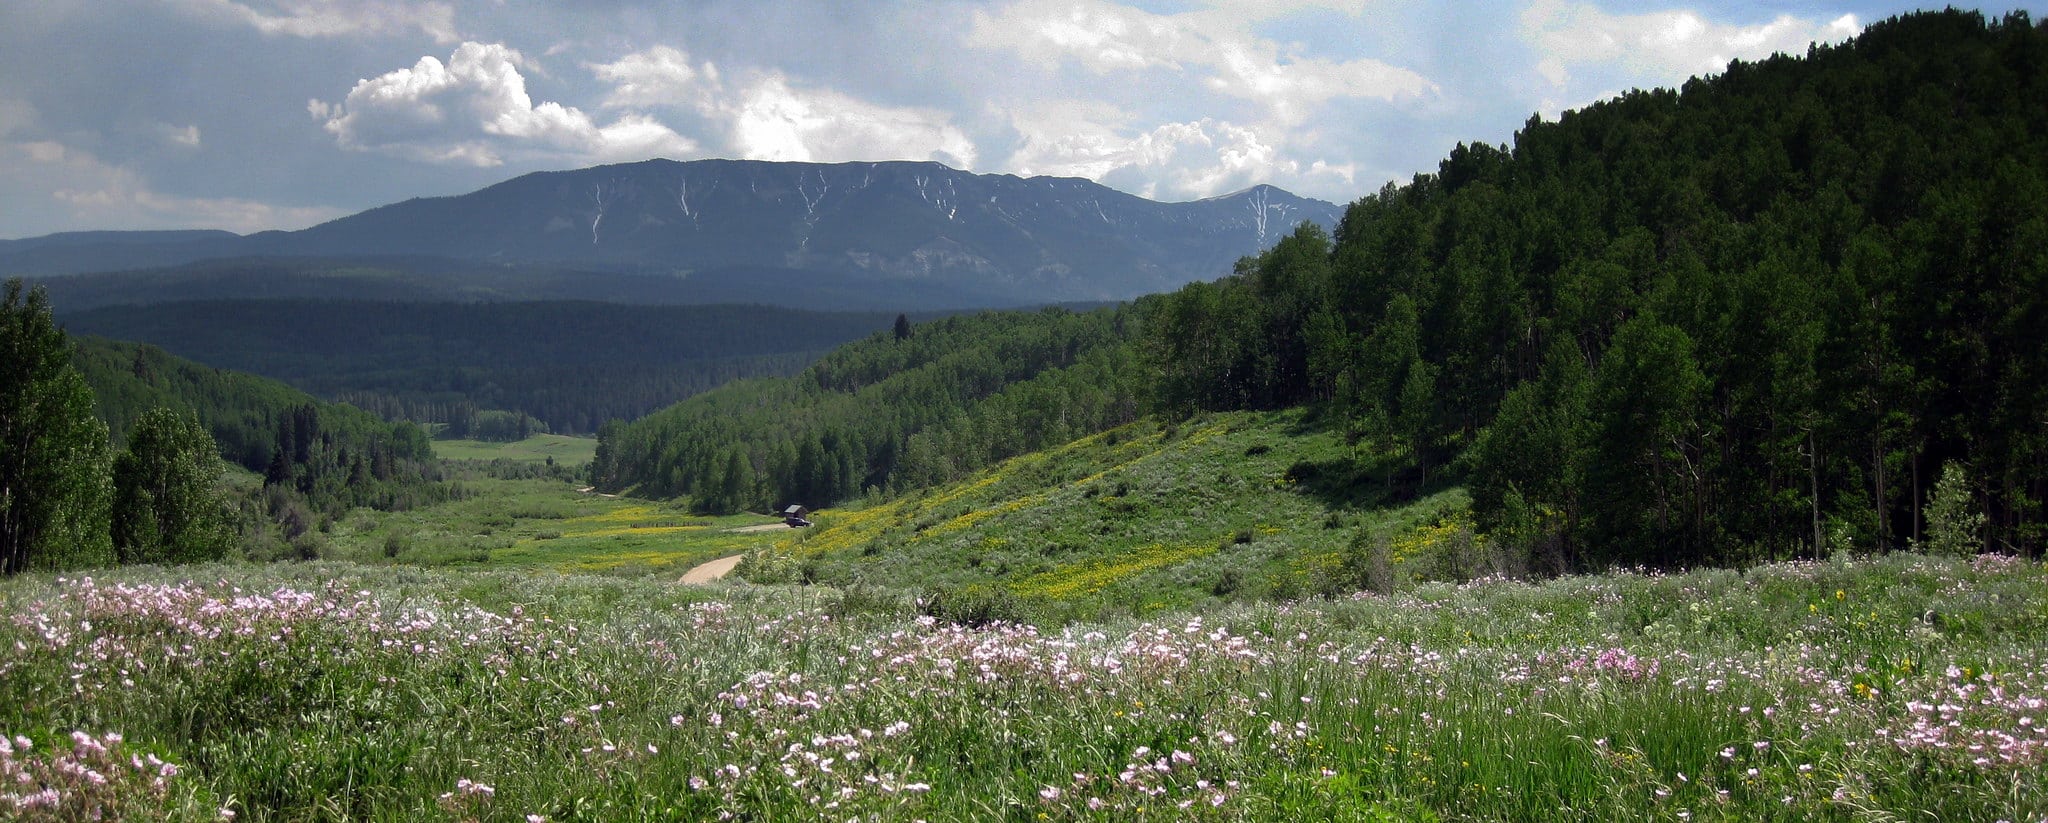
[1895,688]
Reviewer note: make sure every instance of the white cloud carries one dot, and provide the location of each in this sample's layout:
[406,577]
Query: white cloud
[1217,46]
[1660,48]
[767,117]
[1171,161]
[1102,37]
[65,187]
[181,136]
[475,108]
[334,18]
[774,121]
[1189,104]
[660,76]
[1291,89]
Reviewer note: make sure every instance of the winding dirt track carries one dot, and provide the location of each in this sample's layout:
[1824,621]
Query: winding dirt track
[715,569]
[711,571]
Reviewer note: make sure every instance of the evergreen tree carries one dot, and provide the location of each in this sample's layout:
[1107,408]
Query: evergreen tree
[53,451]
[168,507]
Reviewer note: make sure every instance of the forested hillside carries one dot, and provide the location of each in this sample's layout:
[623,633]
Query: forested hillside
[1754,317]
[572,365]
[902,409]
[331,454]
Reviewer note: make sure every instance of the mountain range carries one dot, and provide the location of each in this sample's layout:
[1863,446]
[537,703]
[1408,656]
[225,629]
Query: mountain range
[988,239]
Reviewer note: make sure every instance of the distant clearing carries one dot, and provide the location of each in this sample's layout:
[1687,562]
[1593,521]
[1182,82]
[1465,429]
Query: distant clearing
[544,524]
[567,451]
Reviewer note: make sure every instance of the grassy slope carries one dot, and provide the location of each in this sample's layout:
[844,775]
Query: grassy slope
[567,451]
[1136,520]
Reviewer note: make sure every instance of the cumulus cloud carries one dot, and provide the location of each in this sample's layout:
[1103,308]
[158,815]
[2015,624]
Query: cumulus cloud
[473,109]
[1660,48]
[660,76]
[1292,89]
[1171,161]
[774,121]
[768,117]
[334,18]
[1203,104]
[1101,37]
[64,187]
[1216,45]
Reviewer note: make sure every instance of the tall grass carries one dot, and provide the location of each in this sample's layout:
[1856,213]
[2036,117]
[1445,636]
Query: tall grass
[1895,688]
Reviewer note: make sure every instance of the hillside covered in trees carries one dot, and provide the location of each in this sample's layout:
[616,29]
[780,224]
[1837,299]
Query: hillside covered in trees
[902,409]
[1756,317]
[241,410]
[331,454]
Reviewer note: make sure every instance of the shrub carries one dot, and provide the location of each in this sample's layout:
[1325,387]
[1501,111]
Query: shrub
[767,567]
[309,546]
[863,599]
[975,605]
[1367,565]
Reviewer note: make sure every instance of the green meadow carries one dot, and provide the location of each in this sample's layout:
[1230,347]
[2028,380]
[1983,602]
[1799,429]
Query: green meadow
[1899,687]
[546,524]
[1201,621]
[564,450]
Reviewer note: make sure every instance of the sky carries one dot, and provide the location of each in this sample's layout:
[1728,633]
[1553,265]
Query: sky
[249,115]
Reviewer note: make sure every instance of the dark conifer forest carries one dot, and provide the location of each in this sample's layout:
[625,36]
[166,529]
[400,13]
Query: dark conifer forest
[567,365]
[1750,318]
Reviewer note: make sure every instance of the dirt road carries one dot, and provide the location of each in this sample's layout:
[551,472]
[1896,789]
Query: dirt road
[764,527]
[712,571]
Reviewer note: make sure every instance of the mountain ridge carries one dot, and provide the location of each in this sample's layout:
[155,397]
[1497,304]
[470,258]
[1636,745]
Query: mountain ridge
[1021,238]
